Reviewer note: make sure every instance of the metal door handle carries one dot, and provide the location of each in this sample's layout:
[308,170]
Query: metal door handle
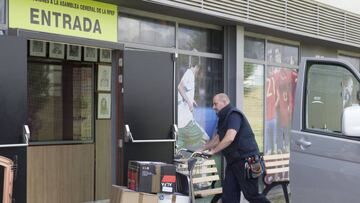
[130,138]
[302,143]
[26,138]
[26,133]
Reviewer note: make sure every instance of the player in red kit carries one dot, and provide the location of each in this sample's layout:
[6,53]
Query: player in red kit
[284,108]
[272,100]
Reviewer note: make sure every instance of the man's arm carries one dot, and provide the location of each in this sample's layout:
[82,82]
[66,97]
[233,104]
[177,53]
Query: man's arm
[228,139]
[211,143]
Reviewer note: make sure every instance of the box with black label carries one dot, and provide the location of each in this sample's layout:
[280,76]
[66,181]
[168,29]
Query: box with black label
[151,177]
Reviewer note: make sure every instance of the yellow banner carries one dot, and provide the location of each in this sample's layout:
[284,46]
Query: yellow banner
[80,18]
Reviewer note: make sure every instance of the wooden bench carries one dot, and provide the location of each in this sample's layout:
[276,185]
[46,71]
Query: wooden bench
[277,173]
[205,176]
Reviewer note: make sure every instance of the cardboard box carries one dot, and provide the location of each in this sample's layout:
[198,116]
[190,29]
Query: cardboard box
[120,194]
[151,177]
[179,198]
[148,198]
[173,198]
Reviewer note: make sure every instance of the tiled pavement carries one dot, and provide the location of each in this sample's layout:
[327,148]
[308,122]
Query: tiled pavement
[274,198]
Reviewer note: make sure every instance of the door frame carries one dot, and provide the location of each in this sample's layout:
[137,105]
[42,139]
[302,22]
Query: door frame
[120,142]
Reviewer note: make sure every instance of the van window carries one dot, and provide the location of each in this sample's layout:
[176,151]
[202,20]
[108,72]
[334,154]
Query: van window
[330,89]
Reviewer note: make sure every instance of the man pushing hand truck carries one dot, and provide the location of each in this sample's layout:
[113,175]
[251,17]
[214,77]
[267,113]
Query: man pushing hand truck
[236,141]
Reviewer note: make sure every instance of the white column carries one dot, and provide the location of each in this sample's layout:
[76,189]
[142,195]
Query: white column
[240,33]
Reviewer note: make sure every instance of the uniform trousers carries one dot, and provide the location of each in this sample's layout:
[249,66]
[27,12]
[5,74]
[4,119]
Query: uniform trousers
[236,182]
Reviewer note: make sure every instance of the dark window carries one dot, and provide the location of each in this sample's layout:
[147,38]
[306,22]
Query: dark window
[60,101]
[146,31]
[254,48]
[282,53]
[200,39]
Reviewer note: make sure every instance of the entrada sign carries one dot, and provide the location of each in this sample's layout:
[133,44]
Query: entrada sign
[45,18]
[80,18]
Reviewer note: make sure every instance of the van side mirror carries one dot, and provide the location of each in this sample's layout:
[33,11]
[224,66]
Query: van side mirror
[351,121]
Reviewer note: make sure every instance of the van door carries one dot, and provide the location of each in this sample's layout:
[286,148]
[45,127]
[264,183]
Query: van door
[324,162]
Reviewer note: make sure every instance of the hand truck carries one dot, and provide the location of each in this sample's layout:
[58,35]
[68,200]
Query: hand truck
[191,159]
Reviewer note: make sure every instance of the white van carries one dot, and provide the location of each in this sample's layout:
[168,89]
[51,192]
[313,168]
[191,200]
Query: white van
[325,135]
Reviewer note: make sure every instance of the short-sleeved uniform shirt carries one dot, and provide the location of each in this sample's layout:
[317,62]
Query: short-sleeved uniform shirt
[234,122]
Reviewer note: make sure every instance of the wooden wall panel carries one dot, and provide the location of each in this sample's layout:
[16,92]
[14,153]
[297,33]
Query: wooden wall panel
[103,159]
[60,173]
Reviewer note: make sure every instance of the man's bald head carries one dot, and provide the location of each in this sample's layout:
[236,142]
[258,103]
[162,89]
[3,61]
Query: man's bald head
[223,98]
[220,101]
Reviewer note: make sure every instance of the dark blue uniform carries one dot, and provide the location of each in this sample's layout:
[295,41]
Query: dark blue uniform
[243,146]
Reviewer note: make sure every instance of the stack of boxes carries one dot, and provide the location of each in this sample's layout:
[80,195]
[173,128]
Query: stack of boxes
[149,182]
[151,177]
